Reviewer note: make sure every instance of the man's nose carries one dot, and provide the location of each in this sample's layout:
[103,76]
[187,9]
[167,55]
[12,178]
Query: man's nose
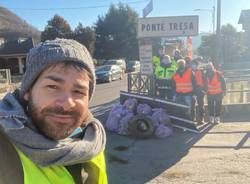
[66,101]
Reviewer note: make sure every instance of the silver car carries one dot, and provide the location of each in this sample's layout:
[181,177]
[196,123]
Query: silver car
[108,73]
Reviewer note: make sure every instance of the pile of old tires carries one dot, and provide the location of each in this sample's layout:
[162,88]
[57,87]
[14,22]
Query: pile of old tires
[139,120]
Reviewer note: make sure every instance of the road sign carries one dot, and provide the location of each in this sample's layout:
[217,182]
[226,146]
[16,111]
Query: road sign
[168,26]
[148,8]
[146,59]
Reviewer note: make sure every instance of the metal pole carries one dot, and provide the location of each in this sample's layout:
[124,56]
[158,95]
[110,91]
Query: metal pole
[218,17]
[218,34]
[213,14]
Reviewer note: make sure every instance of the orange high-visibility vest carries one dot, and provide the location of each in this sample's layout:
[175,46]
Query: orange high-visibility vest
[198,78]
[184,82]
[214,85]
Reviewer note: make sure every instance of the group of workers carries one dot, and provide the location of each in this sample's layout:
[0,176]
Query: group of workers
[185,81]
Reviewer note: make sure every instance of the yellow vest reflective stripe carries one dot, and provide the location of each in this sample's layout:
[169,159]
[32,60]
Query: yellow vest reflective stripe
[165,73]
[184,82]
[214,85]
[59,174]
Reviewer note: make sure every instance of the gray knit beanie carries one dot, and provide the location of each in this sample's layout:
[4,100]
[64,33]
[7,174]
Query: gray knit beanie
[55,51]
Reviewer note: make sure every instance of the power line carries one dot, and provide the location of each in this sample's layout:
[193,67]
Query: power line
[74,8]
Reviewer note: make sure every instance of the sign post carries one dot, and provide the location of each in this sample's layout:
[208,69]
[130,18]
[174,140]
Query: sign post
[148,9]
[145,51]
[168,26]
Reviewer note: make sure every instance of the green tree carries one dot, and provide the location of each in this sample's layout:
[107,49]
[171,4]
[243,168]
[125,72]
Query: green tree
[57,27]
[207,48]
[232,46]
[85,36]
[116,33]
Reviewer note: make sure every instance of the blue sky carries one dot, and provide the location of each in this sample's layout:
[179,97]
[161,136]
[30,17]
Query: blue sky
[38,12]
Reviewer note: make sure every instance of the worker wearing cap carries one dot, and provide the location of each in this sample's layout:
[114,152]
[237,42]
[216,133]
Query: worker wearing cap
[163,73]
[184,84]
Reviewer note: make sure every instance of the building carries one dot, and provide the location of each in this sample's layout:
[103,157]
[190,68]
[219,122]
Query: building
[244,20]
[13,54]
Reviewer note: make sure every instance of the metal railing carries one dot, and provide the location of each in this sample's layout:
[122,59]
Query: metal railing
[141,84]
[238,92]
[238,87]
[5,76]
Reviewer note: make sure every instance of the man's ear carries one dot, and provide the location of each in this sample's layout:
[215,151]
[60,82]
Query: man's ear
[26,96]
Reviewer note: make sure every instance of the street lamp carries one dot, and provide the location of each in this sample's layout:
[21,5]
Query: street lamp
[212,13]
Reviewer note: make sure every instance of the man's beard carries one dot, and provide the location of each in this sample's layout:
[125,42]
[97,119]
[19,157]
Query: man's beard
[53,131]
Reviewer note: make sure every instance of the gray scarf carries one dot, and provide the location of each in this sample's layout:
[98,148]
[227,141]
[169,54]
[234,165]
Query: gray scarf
[44,151]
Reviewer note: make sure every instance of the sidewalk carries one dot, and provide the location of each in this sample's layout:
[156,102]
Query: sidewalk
[221,155]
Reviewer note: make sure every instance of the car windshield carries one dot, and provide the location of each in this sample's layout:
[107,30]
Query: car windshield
[104,68]
[111,62]
[131,63]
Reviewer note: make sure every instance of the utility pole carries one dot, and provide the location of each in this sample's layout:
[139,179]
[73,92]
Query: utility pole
[213,14]
[218,34]
[218,17]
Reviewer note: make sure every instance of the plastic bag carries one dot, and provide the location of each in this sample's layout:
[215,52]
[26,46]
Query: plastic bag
[144,109]
[163,131]
[115,115]
[123,124]
[160,116]
[131,104]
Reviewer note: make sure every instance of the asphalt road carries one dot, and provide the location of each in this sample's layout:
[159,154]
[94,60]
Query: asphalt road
[108,92]
[220,155]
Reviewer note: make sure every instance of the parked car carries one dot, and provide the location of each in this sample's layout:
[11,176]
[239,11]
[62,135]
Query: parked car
[119,62]
[108,73]
[133,66]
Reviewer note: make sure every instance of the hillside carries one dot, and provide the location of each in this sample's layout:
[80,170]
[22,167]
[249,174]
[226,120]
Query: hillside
[12,26]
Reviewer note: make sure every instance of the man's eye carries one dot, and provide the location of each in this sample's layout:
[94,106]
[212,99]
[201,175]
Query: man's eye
[79,92]
[52,87]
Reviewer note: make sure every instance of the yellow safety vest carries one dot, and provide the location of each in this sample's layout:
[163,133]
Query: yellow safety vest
[96,169]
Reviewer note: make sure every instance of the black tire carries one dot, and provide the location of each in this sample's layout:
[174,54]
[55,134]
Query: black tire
[141,126]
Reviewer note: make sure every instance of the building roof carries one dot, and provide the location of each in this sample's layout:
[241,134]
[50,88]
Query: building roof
[244,16]
[17,47]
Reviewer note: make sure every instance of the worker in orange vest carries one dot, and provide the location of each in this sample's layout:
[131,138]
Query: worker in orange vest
[183,85]
[199,91]
[216,90]
[188,62]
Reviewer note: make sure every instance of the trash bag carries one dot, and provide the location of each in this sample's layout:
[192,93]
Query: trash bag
[141,126]
[125,111]
[123,124]
[144,109]
[160,116]
[131,104]
[163,131]
[115,115]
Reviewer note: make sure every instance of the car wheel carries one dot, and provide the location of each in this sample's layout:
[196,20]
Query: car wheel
[140,126]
